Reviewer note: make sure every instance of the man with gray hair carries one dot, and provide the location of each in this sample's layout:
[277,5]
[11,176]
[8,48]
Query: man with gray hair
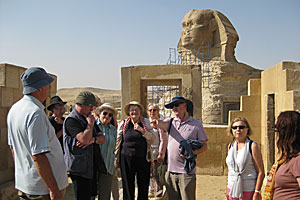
[40,170]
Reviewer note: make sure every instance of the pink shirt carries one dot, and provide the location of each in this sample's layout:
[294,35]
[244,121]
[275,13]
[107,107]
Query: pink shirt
[190,129]
[286,185]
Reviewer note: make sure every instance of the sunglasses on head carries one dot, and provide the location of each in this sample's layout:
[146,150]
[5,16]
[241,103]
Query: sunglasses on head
[154,110]
[240,127]
[109,114]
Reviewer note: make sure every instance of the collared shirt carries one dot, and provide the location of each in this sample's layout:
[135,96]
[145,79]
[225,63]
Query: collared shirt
[108,148]
[30,133]
[190,129]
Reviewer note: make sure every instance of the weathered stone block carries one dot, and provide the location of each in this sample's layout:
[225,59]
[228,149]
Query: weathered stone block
[3,138]
[3,159]
[7,97]
[3,115]
[8,191]
[12,77]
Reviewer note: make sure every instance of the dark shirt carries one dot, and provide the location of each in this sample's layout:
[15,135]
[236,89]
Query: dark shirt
[134,143]
[73,128]
[57,127]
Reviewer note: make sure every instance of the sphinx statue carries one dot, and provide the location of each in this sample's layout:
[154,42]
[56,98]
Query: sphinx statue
[207,35]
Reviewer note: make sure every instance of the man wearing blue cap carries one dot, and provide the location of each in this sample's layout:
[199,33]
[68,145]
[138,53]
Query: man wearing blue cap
[186,140]
[40,170]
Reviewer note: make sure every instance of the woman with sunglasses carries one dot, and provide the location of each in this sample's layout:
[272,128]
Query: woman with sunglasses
[286,171]
[106,113]
[159,149]
[244,161]
[133,151]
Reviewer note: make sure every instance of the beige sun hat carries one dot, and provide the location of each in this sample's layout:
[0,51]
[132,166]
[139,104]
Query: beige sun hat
[136,104]
[106,106]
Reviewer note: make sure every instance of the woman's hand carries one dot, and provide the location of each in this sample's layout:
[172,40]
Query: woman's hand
[137,127]
[256,196]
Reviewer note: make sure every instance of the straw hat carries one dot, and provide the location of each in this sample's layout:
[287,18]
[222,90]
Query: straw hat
[135,103]
[106,106]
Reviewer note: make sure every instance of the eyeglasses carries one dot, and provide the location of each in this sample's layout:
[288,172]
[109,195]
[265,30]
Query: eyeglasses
[177,104]
[153,110]
[109,114]
[240,127]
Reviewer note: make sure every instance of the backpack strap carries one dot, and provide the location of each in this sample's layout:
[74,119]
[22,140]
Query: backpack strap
[170,125]
[250,147]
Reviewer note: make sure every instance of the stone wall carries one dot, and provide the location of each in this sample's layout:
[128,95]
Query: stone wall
[10,92]
[226,82]
[135,80]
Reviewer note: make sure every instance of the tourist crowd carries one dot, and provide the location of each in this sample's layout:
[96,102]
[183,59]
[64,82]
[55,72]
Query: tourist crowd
[93,150]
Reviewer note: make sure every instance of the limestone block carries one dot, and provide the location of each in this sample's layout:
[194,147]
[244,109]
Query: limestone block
[7,97]
[3,159]
[3,115]
[7,190]
[3,138]
[297,100]
[210,158]
[12,77]
[293,80]
[252,103]
[254,87]
[17,94]
[2,74]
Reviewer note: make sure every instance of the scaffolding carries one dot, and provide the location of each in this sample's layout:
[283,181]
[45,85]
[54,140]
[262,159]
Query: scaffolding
[193,56]
[162,95]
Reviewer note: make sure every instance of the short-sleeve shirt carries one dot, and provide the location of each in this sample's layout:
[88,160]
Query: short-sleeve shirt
[31,133]
[190,129]
[286,185]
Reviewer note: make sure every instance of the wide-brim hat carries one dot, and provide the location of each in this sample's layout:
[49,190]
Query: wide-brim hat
[106,106]
[86,98]
[136,104]
[35,78]
[55,100]
[177,99]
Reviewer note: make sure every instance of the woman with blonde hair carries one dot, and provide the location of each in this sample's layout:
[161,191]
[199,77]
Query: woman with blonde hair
[133,151]
[159,149]
[244,161]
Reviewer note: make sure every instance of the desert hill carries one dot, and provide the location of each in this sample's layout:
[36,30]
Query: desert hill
[106,96]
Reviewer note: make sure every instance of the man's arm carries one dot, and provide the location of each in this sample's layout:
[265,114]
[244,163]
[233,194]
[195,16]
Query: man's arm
[85,136]
[12,151]
[44,169]
[202,149]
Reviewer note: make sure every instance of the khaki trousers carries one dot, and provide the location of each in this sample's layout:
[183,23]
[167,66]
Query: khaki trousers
[180,186]
[24,196]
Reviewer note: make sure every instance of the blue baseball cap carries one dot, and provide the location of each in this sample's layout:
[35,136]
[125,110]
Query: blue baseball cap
[177,99]
[35,78]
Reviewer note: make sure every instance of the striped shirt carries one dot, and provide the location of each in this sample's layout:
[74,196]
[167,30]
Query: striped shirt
[108,148]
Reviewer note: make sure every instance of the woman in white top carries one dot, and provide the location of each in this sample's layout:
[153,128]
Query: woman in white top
[245,165]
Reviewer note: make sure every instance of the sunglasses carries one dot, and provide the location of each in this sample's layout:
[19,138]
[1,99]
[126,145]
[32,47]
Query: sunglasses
[240,127]
[177,104]
[109,114]
[154,110]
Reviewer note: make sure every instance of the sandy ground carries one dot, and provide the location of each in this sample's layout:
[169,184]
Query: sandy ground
[208,187]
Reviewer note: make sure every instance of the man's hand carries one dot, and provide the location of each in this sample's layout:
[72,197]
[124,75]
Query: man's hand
[58,120]
[154,123]
[55,196]
[90,119]
[160,158]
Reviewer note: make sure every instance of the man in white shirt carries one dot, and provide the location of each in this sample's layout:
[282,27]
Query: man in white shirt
[40,170]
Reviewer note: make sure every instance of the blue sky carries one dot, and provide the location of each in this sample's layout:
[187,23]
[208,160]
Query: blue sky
[85,43]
